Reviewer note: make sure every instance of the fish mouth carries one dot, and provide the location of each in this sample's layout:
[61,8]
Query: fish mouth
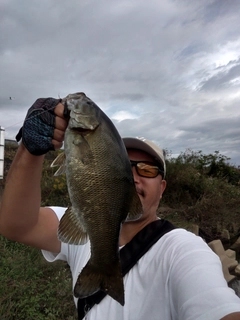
[83,125]
[79,126]
[81,130]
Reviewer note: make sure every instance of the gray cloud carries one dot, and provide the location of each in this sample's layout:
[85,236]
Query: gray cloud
[224,78]
[173,64]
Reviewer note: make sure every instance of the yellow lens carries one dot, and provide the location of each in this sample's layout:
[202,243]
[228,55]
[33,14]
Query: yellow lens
[147,170]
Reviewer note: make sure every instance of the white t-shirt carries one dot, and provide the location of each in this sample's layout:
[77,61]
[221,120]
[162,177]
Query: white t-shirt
[179,278]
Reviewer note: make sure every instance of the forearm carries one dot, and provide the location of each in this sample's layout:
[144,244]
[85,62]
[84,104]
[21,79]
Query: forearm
[22,195]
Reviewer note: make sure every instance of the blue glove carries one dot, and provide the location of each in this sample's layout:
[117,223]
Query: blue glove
[38,127]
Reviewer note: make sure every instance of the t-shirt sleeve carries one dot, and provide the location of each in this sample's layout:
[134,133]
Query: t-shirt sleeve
[63,254]
[197,284]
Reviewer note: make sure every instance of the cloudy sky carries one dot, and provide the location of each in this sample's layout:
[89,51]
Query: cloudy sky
[167,70]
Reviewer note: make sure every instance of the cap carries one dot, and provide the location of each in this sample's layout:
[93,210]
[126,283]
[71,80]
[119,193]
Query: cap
[148,147]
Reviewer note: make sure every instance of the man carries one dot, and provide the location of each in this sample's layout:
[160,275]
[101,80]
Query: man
[178,278]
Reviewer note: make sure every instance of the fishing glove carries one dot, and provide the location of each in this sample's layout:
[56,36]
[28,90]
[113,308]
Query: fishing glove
[38,127]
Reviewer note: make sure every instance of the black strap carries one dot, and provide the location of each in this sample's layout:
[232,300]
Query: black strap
[129,255]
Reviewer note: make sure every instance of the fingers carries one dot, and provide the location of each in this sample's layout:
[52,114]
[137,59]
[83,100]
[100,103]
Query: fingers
[61,123]
[60,126]
[58,138]
[57,144]
[59,109]
[58,135]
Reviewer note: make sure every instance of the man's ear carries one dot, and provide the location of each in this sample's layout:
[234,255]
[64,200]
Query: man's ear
[163,187]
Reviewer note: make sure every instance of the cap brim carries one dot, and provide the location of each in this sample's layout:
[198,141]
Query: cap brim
[135,143]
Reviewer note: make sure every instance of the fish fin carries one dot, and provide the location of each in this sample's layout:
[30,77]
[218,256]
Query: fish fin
[136,209]
[61,162]
[70,229]
[91,280]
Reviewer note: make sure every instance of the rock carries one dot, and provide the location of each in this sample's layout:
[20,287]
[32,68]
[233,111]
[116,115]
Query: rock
[237,270]
[231,254]
[228,264]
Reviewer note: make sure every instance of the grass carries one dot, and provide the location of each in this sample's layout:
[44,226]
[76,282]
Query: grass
[30,287]
[202,189]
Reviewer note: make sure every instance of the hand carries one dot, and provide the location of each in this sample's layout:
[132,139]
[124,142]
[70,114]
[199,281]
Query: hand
[44,126]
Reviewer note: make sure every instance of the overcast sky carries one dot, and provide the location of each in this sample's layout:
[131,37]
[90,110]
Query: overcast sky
[167,70]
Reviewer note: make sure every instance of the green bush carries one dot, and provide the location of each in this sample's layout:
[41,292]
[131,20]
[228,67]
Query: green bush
[203,189]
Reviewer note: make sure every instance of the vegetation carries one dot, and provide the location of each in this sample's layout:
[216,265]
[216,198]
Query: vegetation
[202,189]
[30,287]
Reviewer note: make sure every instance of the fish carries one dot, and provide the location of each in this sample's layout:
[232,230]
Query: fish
[102,194]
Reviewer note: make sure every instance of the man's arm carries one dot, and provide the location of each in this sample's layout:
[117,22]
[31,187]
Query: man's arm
[21,218]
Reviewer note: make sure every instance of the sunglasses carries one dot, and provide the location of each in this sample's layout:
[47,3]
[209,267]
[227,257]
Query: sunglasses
[146,169]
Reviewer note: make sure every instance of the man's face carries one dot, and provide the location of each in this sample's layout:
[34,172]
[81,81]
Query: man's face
[150,190]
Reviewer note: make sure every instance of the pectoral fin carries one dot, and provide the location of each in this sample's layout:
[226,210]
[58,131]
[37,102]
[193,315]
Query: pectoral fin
[70,229]
[60,162]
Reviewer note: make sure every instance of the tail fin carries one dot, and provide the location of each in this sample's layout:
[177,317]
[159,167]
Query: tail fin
[92,279]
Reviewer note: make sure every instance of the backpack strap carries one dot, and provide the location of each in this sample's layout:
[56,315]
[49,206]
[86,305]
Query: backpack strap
[129,255]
